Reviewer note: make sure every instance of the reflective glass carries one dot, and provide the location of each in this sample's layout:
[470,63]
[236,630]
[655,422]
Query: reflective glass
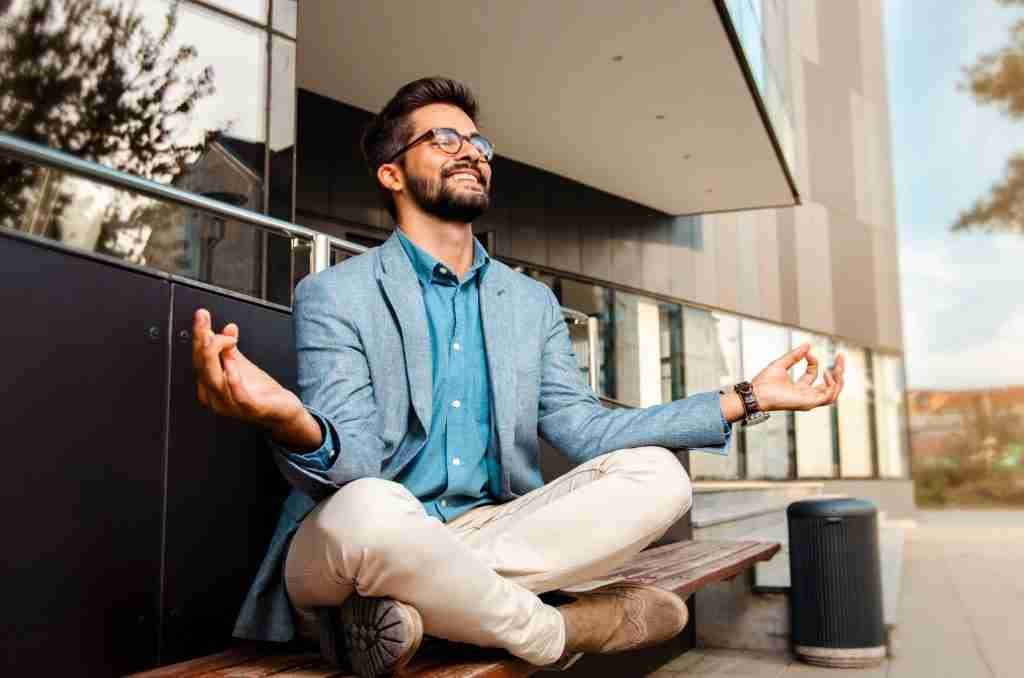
[757,30]
[590,300]
[854,407]
[282,128]
[671,326]
[636,340]
[193,115]
[890,416]
[815,455]
[711,345]
[286,16]
[164,236]
[250,9]
[637,346]
[767,445]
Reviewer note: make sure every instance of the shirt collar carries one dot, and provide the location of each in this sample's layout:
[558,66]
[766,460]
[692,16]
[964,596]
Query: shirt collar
[428,269]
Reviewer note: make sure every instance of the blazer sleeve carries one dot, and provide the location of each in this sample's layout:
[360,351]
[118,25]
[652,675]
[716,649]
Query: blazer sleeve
[572,418]
[334,384]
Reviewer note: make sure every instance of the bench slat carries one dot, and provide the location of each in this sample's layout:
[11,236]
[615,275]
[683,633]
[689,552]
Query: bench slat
[682,567]
[684,571]
[205,666]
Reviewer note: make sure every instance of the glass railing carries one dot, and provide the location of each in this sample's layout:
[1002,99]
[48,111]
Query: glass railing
[761,26]
[89,207]
[204,238]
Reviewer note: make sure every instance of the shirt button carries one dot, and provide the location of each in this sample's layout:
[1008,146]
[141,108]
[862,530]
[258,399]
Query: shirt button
[456,461]
[457,346]
[444,502]
[456,404]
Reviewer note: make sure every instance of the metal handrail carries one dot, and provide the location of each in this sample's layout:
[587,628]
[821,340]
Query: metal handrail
[26,150]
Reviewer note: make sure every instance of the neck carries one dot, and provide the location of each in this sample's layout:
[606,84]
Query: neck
[449,242]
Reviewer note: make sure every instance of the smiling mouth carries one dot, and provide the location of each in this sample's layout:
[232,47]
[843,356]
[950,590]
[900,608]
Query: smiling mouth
[465,177]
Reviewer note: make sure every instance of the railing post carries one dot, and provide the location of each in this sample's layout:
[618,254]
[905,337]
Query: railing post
[321,253]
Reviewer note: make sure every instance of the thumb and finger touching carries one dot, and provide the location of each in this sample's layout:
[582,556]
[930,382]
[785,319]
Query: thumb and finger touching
[794,356]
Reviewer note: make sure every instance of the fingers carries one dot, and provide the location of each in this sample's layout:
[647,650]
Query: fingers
[235,386]
[211,372]
[231,330]
[839,371]
[812,370]
[794,356]
[200,328]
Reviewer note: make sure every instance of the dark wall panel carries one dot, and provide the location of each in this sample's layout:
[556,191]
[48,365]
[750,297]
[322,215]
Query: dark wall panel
[223,489]
[82,424]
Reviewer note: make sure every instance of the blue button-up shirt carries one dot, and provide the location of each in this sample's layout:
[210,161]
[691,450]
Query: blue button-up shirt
[458,467]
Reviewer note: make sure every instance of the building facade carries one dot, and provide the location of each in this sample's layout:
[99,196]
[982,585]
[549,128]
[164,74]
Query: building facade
[706,184]
[683,302]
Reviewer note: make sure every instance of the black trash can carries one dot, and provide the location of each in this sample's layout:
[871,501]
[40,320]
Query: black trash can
[836,582]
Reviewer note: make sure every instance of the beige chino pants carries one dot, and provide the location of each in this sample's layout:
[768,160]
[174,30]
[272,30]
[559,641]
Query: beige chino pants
[476,579]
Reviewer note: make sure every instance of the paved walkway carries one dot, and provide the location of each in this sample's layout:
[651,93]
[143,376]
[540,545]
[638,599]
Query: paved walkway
[960,609]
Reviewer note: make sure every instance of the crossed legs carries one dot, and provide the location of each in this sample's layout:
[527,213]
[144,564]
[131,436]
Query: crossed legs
[476,579]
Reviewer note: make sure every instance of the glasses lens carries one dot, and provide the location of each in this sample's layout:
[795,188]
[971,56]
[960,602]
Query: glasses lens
[482,145]
[448,140]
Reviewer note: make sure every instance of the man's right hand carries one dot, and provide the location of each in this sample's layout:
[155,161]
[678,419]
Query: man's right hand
[233,386]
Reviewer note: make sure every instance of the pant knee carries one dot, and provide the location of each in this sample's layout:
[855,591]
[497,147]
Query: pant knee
[671,489]
[368,513]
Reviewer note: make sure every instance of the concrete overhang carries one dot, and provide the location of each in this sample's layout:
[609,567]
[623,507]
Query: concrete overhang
[648,100]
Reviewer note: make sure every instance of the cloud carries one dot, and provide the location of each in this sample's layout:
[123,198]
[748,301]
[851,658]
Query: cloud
[963,315]
[995,361]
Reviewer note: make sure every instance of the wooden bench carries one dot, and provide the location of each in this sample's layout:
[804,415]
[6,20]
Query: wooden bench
[682,567]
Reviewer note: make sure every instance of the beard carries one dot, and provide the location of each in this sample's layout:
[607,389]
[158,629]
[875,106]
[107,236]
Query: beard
[441,197]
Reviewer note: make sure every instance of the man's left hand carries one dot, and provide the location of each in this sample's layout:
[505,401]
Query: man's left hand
[775,391]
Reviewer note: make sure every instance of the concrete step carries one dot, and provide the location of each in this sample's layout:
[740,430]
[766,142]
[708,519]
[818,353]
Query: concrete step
[736,506]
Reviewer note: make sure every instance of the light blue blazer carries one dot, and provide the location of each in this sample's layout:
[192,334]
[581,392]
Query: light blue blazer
[364,364]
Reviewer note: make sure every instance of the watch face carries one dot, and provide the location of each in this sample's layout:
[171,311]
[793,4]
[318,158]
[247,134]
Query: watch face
[756,418]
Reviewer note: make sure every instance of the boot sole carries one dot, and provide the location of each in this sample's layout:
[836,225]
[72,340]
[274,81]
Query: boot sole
[381,634]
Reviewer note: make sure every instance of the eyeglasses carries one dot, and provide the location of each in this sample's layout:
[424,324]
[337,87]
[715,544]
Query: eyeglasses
[450,141]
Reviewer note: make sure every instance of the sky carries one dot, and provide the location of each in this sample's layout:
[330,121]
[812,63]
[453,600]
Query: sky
[963,311]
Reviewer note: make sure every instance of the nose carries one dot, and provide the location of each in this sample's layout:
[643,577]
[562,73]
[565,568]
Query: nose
[470,151]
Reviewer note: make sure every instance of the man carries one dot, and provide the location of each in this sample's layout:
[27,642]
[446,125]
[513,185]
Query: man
[426,371]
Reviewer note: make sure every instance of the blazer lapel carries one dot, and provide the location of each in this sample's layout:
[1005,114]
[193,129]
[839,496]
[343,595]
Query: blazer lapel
[402,289]
[498,316]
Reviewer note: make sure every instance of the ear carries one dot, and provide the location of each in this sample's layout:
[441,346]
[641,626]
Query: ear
[390,177]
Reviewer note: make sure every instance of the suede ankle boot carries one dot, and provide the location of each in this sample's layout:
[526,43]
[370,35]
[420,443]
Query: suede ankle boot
[621,617]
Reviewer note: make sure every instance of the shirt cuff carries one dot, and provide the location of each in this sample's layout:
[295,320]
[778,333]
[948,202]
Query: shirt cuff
[727,429]
[322,457]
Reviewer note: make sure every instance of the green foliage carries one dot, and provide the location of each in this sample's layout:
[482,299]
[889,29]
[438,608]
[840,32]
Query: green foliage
[997,79]
[964,479]
[89,78]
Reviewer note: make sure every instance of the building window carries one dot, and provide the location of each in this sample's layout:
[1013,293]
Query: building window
[767,449]
[814,430]
[255,10]
[890,416]
[286,14]
[711,349]
[195,116]
[854,408]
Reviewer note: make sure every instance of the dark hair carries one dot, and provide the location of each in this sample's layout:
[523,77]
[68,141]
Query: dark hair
[391,129]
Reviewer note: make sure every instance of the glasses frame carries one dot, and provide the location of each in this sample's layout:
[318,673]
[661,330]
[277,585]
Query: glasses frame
[431,133]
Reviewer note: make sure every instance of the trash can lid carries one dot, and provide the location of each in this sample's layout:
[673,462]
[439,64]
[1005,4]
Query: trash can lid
[829,507]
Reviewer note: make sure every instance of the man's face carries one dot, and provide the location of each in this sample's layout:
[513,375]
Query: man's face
[450,187]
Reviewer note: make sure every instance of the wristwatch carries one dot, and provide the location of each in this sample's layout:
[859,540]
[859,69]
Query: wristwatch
[751,409]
